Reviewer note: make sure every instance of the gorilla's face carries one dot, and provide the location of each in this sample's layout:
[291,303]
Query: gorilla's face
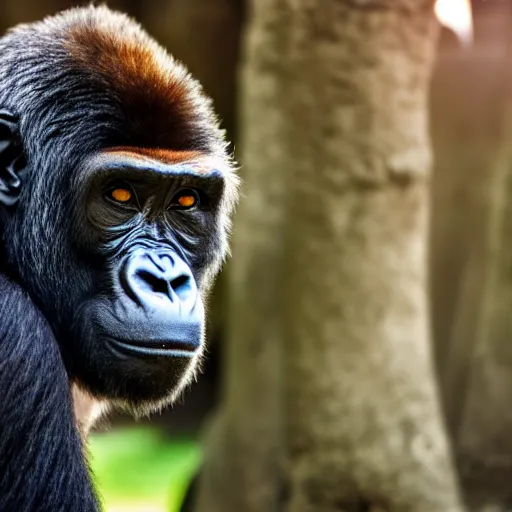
[123,276]
[153,231]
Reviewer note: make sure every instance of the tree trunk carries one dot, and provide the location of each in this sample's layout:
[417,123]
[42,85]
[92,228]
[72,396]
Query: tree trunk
[363,420]
[330,368]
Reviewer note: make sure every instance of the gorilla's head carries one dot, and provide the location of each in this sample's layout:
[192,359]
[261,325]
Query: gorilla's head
[115,199]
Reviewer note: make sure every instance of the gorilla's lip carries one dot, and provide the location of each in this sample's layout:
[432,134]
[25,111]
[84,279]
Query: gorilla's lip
[154,348]
[141,336]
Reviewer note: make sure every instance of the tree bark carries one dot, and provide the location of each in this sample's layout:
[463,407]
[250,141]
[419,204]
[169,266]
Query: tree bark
[330,387]
[363,422]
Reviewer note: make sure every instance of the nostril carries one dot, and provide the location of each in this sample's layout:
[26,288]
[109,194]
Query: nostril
[152,282]
[181,285]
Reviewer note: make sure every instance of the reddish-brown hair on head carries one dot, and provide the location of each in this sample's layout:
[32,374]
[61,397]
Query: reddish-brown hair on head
[157,103]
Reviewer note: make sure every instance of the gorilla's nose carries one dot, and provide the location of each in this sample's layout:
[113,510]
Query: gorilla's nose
[160,283]
[158,310]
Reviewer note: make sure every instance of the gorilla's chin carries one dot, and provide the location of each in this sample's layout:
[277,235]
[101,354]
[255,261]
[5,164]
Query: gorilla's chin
[137,374]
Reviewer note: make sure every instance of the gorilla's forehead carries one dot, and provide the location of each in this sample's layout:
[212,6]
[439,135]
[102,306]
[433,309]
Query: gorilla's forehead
[164,162]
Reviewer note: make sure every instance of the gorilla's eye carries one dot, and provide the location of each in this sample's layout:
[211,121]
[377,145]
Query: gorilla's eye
[121,195]
[185,199]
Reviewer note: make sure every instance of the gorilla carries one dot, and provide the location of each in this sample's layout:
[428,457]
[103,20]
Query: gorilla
[116,194]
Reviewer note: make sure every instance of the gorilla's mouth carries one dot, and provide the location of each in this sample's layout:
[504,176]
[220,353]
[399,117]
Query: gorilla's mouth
[138,360]
[173,348]
[130,332]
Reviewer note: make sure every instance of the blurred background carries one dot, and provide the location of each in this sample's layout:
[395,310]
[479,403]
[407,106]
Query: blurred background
[438,424]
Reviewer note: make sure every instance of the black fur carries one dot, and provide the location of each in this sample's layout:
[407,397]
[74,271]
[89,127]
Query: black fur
[41,461]
[93,292]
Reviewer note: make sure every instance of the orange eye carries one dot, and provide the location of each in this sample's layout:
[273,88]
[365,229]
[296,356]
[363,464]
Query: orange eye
[186,199]
[122,195]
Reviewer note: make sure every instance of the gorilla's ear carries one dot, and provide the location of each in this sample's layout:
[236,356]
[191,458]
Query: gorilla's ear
[12,160]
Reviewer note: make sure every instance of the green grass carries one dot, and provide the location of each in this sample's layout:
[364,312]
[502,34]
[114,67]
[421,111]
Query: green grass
[140,470]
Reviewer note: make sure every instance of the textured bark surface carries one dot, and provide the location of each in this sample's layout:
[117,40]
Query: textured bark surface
[363,422]
[329,366]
